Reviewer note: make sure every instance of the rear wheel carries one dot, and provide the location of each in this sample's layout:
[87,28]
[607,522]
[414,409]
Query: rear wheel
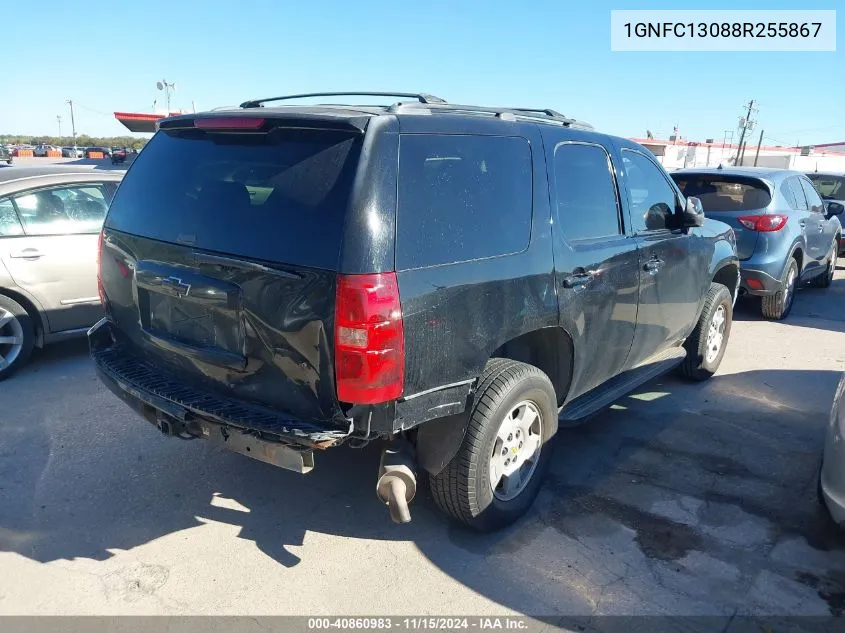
[17,336]
[825,279]
[706,345]
[497,472]
[778,305]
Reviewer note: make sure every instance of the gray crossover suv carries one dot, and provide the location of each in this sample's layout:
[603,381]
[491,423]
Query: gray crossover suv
[785,233]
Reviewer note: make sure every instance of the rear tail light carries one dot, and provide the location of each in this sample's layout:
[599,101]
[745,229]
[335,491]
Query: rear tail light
[100,289]
[369,339]
[763,223]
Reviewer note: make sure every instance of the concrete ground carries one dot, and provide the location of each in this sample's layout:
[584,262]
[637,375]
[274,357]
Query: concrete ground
[684,499]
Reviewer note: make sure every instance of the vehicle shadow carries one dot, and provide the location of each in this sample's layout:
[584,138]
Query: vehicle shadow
[672,473]
[819,308]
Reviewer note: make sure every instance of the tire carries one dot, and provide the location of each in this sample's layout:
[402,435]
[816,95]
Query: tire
[16,324]
[707,344]
[9,162]
[463,488]
[825,279]
[778,305]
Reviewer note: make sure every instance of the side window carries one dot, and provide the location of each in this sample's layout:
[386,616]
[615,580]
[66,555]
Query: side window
[813,198]
[462,198]
[798,194]
[9,223]
[786,190]
[653,199]
[63,210]
[585,192]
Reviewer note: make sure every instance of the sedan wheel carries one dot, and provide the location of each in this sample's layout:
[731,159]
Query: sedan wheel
[16,336]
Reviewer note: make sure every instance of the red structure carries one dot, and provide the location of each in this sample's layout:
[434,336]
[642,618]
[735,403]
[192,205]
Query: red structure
[139,121]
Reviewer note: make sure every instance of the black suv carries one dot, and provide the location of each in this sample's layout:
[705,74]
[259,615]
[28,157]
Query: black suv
[457,281]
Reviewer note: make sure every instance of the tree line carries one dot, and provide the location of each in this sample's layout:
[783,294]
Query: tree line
[83,140]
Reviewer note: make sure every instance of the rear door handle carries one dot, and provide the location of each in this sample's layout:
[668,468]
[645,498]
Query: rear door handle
[578,280]
[653,265]
[27,253]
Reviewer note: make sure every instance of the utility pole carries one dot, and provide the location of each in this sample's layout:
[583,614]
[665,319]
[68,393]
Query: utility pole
[759,143]
[72,122]
[59,121]
[746,123]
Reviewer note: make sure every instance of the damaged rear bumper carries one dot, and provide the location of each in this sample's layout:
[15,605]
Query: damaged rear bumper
[184,411]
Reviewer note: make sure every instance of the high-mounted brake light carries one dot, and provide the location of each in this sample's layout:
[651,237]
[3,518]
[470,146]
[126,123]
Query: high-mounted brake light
[100,288]
[229,123]
[369,339]
[763,223]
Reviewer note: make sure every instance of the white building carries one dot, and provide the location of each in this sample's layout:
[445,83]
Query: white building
[676,154]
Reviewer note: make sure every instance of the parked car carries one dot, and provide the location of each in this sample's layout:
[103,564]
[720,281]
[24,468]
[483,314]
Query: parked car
[831,187]
[49,221]
[105,151]
[6,154]
[783,235]
[306,277]
[73,152]
[118,156]
[41,150]
[832,475]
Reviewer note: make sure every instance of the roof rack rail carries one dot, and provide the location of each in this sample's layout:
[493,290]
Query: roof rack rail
[421,97]
[554,114]
[506,113]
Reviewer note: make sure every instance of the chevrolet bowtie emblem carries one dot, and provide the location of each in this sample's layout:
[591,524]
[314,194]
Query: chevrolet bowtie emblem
[179,287]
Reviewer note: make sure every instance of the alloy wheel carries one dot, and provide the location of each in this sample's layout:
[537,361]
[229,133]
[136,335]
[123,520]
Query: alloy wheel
[516,450]
[11,338]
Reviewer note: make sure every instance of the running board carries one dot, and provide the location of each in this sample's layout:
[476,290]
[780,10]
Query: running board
[606,394]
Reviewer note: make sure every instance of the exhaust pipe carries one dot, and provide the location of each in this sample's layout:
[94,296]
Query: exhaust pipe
[397,483]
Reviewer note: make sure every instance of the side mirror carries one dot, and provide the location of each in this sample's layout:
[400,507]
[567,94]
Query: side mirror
[693,214]
[833,208]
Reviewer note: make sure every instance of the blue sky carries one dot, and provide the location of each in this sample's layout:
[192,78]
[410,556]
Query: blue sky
[108,56]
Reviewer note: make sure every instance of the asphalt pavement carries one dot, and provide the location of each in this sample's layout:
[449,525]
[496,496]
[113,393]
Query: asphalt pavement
[683,499]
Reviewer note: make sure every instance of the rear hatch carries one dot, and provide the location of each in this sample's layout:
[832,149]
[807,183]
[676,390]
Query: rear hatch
[727,198]
[220,255]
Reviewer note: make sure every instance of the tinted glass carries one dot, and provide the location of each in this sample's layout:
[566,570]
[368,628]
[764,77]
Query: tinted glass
[653,199]
[797,193]
[786,192]
[585,192]
[718,193]
[462,198]
[63,210]
[829,187]
[280,196]
[9,223]
[813,198]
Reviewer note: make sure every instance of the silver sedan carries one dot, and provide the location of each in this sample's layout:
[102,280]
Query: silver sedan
[832,481]
[50,219]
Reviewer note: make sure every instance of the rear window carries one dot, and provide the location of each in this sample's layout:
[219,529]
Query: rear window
[462,198]
[720,193]
[280,196]
[829,187]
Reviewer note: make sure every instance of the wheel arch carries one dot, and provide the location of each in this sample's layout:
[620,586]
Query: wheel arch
[550,349]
